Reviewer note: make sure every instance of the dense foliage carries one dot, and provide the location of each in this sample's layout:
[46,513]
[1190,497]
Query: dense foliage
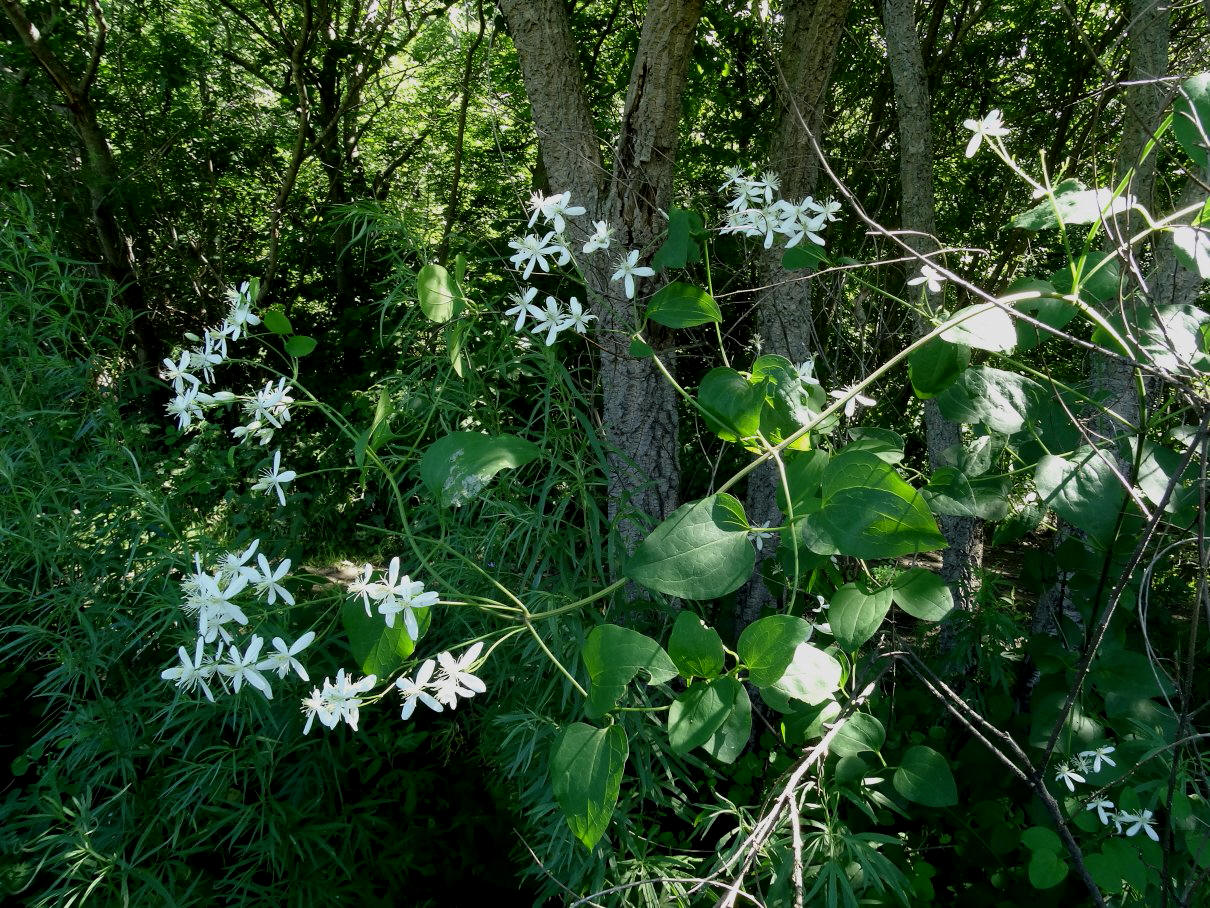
[387,479]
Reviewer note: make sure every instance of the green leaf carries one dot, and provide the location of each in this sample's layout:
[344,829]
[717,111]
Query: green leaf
[767,646]
[934,367]
[700,711]
[1039,838]
[922,594]
[779,658]
[457,467]
[1192,245]
[868,511]
[275,320]
[700,552]
[732,404]
[679,305]
[586,766]
[613,655]
[949,492]
[1074,204]
[1191,118]
[680,247]
[378,649]
[300,345]
[639,350]
[855,615]
[1156,471]
[860,733]
[985,326]
[1171,337]
[923,777]
[1019,524]
[804,472]
[438,293]
[1083,491]
[696,649]
[1003,401]
[805,255]
[455,341]
[729,741]
[1099,277]
[882,443]
[1048,307]
[1046,869]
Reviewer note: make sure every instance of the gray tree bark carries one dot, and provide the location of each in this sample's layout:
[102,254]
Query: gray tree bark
[964,553]
[810,37]
[639,408]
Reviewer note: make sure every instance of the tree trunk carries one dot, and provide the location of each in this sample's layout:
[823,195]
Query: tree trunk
[783,311]
[639,408]
[964,535]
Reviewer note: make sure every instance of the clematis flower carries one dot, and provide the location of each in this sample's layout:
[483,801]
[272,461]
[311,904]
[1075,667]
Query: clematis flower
[412,691]
[930,276]
[533,250]
[991,126]
[266,580]
[549,319]
[1103,808]
[601,238]
[1141,821]
[190,673]
[851,405]
[554,208]
[1098,756]
[628,269]
[285,659]
[456,681]
[241,667]
[1069,775]
[275,478]
[363,588]
[759,534]
[523,307]
[576,319]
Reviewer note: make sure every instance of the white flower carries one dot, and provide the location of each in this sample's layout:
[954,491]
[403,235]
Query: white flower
[829,209]
[283,660]
[317,705]
[274,479]
[344,697]
[576,319]
[770,183]
[178,373]
[1098,756]
[240,318]
[1103,808]
[628,269]
[402,594]
[233,564]
[266,581]
[1139,821]
[601,237]
[364,588]
[241,667]
[759,533]
[735,176]
[1068,775]
[851,405]
[533,250]
[214,606]
[185,407]
[456,681]
[189,674]
[930,276]
[991,126]
[206,358]
[523,307]
[806,372]
[411,691]
[549,319]
[553,208]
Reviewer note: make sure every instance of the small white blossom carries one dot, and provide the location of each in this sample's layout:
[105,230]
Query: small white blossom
[274,479]
[266,580]
[533,250]
[402,594]
[178,372]
[189,673]
[806,372]
[1103,808]
[628,269]
[576,319]
[240,317]
[284,659]
[185,407]
[455,681]
[1136,822]
[601,238]
[553,208]
[549,319]
[363,588]
[411,691]
[1070,776]
[759,533]
[234,564]
[241,667]
[851,405]
[1098,756]
[523,307]
[930,276]
[991,126]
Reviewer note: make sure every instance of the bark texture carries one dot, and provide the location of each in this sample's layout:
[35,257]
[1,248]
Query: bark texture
[639,408]
[811,35]
[964,535]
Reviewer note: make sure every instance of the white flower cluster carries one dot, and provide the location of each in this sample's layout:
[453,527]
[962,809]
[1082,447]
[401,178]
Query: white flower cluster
[211,597]
[266,411]
[454,680]
[552,318]
[1085,763]
[755,210]
[394,595]
[337,702]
